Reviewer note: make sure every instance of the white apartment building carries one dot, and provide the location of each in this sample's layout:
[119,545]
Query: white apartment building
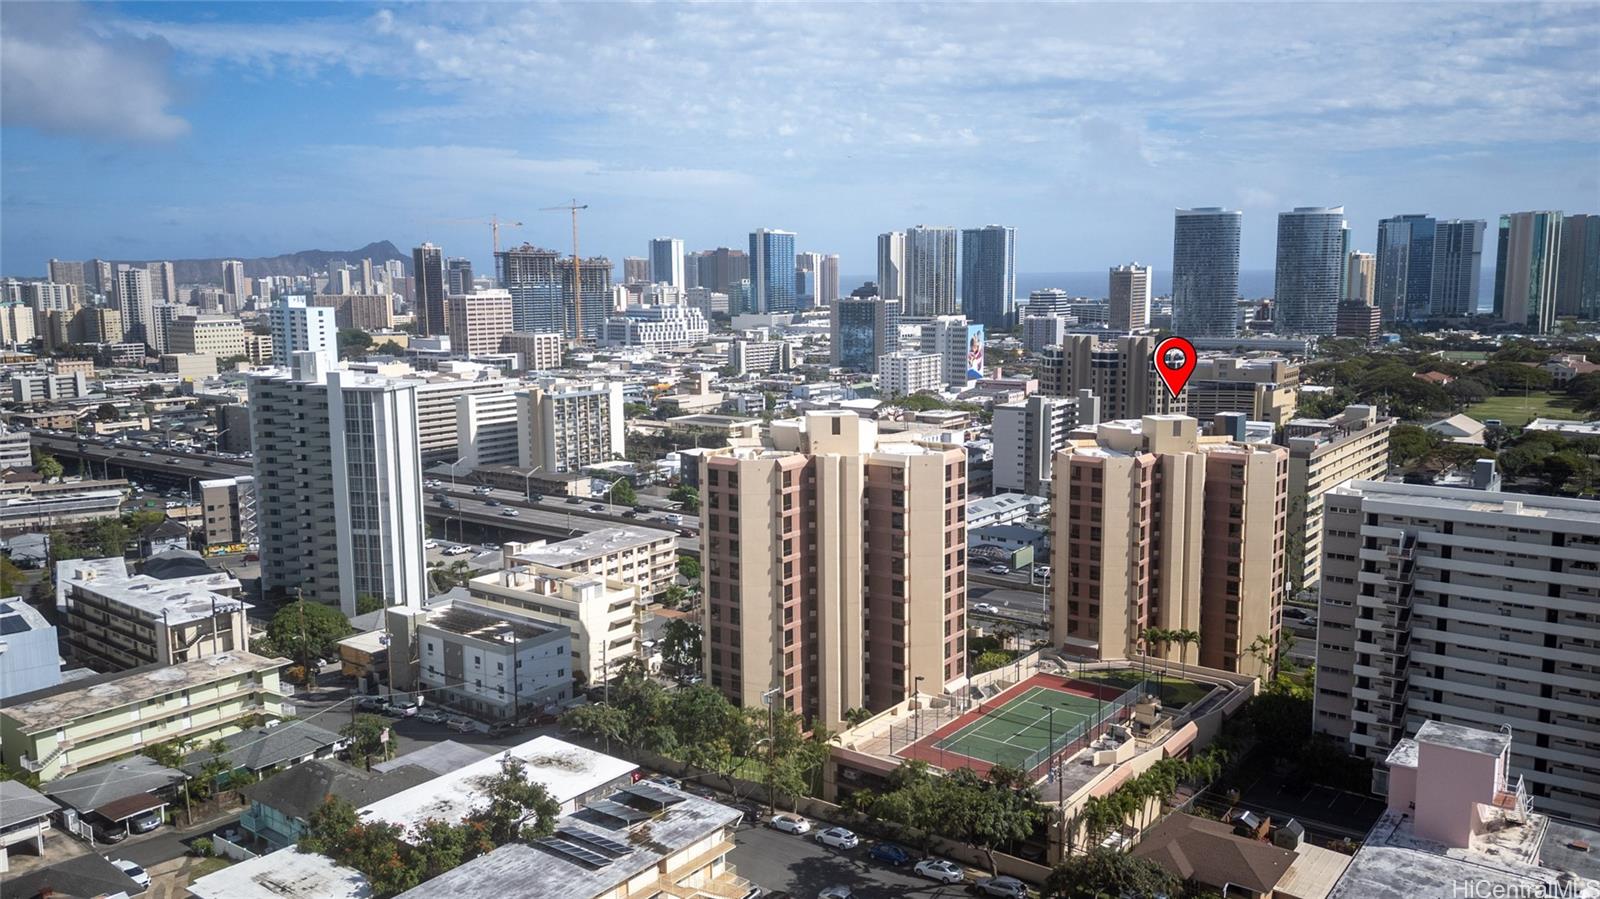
[761,355]
[656,327]
[539,351]
[908,372]
[117,623]
[950,338]
[44,387]
[134,299]
[486,430]
[162,315]
[644,557]
[221,336]
[343,515]
[606,617]
[1324,453]
[299,328]
[569,425]
[1040,331]
[1028,434]
[479,321]
[1466,607]
[438,395]
[488,660]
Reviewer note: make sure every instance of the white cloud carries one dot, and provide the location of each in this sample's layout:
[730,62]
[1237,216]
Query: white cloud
[60,78]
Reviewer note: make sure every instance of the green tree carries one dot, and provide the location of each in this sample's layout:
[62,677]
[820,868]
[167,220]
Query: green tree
[46,465]
[10,577]
[857,716]
[365,734]
[366,602]
[518,808]
[689,567]
[169,754]
[688,496]
[144,518]
[1409,444]
[597,722]
[376,849]
[353,342]
[1184,637]
[622,492]
[1103,872]
[64,545]
[989,661]
[106,412]
[440,846]
[681,642]
[307,631]
[986,815]
[389,348]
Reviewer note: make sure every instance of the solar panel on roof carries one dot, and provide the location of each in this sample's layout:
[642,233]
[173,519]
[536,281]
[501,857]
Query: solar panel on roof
[652,794]
[575,852]
[13,624]
[624,813]
[594,840]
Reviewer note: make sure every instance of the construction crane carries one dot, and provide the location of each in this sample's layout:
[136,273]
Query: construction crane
[494,223]
[577,266]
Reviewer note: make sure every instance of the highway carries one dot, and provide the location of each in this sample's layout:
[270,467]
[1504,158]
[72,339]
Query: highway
[127,458]
[549,518]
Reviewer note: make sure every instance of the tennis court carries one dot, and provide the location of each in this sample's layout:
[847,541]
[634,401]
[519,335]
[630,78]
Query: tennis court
[1019,732]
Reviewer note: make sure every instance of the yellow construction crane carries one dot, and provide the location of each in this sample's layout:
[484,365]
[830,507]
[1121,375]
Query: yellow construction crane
[494,223]
[577,267]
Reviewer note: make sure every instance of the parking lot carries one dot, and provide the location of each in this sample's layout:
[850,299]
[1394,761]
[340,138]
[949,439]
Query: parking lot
[781,861]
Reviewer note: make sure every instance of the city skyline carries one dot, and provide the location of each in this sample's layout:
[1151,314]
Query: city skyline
[143,153]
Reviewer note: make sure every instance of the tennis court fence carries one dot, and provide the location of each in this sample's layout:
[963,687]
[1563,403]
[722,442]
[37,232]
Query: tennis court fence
[1034,762]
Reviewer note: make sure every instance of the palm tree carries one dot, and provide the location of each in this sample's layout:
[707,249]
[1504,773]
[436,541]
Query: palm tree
[1264,648]
[1155,639]
[1184,637]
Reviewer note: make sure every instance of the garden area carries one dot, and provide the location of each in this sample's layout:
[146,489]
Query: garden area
[1175,692]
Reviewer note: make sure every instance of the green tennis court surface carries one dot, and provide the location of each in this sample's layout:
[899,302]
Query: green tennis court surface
[1018,732]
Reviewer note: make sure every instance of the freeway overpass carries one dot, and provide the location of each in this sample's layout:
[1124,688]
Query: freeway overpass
[102,457]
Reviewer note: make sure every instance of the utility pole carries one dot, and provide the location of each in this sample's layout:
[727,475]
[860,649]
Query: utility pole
[771,699]
[577,268]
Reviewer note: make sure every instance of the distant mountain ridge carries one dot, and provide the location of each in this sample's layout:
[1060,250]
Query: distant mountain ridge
[209,271]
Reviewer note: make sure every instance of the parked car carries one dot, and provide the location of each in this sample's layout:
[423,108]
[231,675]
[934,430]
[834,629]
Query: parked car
[1004,887]
[460,725]
[252,557]
[401,709]
[432,716]
[145,823]
[111,834]
[1297,614]
[500,728]
[666,781]
[457,549]
[999,569]
[790,824]
[889,854]
[838,838]
[369,703]
[430,544]
[940,869]
[837,891]
[139,875]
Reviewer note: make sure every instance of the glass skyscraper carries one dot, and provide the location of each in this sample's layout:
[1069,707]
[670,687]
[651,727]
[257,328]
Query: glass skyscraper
[1405,267]
[666,262]
[1525,269]
[864,328]
[1457,258]
[1205,271]
[930,272]
[988,275]
[772,271]
[1312,241]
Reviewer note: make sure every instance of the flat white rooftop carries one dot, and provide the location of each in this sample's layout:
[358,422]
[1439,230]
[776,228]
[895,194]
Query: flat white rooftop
[567,771]
[285,874]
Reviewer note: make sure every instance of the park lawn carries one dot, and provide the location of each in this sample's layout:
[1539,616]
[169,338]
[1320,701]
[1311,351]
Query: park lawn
[1466,355]
[1176,692]
[1516,411]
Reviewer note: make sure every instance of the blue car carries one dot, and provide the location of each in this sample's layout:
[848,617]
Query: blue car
[889,854]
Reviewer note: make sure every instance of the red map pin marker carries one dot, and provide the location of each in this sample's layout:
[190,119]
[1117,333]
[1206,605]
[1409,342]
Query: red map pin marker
[1175,359]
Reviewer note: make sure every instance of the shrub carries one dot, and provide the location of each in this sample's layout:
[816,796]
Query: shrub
[202,847]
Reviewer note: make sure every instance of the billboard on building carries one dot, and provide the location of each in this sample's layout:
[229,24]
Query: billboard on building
[974,352]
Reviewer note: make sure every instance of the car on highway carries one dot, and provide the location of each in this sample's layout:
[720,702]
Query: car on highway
[493,502]
[510,513]
[940,869]
[1002,886]
[790,824]
[597,507]
[574,500]
[1297,614]
[999,569]
[986,608]
[135,873]
[483,490]
[889,854]
[838,838]
[1042,570]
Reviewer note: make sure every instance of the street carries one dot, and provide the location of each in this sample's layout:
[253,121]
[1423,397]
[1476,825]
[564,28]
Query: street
[781,861]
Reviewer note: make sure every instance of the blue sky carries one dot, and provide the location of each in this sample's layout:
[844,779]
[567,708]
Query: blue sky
[186,129]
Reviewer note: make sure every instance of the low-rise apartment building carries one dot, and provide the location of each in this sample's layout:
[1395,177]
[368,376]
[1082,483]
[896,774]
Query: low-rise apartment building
[606,617]
[1261,388]
[491,661]
[80,723]
[644,557]
[119,623]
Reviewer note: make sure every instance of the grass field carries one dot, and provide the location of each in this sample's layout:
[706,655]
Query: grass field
[1466,355]
[1176,693]
[1022,727]
[1516,411]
